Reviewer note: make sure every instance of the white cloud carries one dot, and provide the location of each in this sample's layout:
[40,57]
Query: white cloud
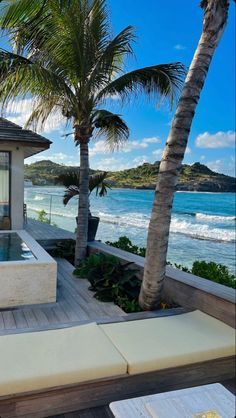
[151,140]
[59,158]
[20,110]
[202,158]
[111,164]
[218,140]
[188,151]
[134,145]
[217,165]
[158,152]
[180,47]
[140,160]
[223,166]
[101,147]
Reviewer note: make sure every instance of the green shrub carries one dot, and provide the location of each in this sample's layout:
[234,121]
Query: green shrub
[111,281]
[125,244]
[216,272]
[42,217]
[208,270]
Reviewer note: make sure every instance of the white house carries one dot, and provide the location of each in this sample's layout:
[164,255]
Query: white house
[15,145]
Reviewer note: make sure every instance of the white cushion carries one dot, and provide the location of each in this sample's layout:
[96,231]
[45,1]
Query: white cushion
[39,360]
[159,343]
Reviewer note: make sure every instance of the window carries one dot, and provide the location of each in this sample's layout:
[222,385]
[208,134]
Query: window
[4,184]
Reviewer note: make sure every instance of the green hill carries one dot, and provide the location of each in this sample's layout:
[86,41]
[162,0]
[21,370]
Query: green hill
[196,177]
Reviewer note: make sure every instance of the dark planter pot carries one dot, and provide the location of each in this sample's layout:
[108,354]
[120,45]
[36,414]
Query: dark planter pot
[92,227]
[93,222]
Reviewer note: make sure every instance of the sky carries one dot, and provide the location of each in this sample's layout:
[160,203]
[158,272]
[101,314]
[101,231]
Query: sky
[167,31]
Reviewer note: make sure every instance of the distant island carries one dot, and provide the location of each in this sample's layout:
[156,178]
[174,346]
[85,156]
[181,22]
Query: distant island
[196,177]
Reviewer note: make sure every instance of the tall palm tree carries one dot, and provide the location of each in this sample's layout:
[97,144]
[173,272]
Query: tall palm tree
[214,22]
[66,59]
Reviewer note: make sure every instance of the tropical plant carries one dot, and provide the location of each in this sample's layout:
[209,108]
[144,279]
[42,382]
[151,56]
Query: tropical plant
[111,280]
[214,22]
[42,217]
[215,272]
[71,180]
[124,243]
[65,58]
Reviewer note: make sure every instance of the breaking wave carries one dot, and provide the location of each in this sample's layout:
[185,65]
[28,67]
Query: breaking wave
[214,218]
[178,226]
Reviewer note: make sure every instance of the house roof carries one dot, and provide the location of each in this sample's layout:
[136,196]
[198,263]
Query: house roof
[10,133]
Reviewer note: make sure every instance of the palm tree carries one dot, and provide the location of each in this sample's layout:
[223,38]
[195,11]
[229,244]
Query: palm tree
[215,19]
[65,58]
[71,180]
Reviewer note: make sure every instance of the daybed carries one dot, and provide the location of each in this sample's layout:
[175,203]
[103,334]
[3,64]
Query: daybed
[51,372]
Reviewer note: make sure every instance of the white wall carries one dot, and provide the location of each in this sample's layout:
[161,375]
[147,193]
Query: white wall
[17,184]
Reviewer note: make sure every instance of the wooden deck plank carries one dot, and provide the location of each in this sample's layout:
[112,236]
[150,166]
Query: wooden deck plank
[75,304]
[90,305]
[20,319]
[8,319]
[60,314]
[40,316]
[39,231]
[2,326]
[30,318]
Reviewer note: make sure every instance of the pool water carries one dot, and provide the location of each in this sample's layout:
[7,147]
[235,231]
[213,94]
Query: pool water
[12,248]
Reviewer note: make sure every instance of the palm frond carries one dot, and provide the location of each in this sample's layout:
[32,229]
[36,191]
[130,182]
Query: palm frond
[20,77]
[20,19]
[97,181]
[70,192]
[160,80]
[71,180]
[111,58]
[112,127]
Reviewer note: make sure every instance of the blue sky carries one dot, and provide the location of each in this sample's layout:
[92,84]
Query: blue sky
[167,31]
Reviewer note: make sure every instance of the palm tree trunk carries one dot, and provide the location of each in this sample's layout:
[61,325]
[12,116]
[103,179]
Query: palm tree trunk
[215,19]
[83,207]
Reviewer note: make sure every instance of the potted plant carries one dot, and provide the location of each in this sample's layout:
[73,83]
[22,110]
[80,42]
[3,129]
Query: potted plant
[70,180]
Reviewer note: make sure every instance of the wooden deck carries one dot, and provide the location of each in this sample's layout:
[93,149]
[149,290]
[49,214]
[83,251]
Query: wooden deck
[75,304]
[47,234]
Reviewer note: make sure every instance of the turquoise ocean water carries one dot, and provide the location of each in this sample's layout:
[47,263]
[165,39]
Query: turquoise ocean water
[202,227]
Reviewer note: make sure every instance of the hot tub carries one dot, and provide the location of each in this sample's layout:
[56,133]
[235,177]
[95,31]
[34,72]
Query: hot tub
[28,274]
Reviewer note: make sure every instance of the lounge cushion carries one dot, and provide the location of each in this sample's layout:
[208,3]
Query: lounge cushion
[159,343]
[38,360]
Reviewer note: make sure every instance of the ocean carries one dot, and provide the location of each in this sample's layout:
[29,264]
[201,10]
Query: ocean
[202,226]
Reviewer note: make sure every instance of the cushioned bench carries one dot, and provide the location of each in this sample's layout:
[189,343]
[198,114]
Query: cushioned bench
[160,343]
[51,372]
[41,360]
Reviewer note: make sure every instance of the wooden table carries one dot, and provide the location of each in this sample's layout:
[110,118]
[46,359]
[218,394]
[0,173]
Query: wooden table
[178,404]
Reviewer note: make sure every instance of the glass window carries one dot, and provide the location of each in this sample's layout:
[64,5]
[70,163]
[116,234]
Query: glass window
[4,184]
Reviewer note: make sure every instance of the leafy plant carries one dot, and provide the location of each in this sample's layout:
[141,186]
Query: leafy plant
[42,217]
[111,280]
[125,244]
[208,270]
[215,272]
